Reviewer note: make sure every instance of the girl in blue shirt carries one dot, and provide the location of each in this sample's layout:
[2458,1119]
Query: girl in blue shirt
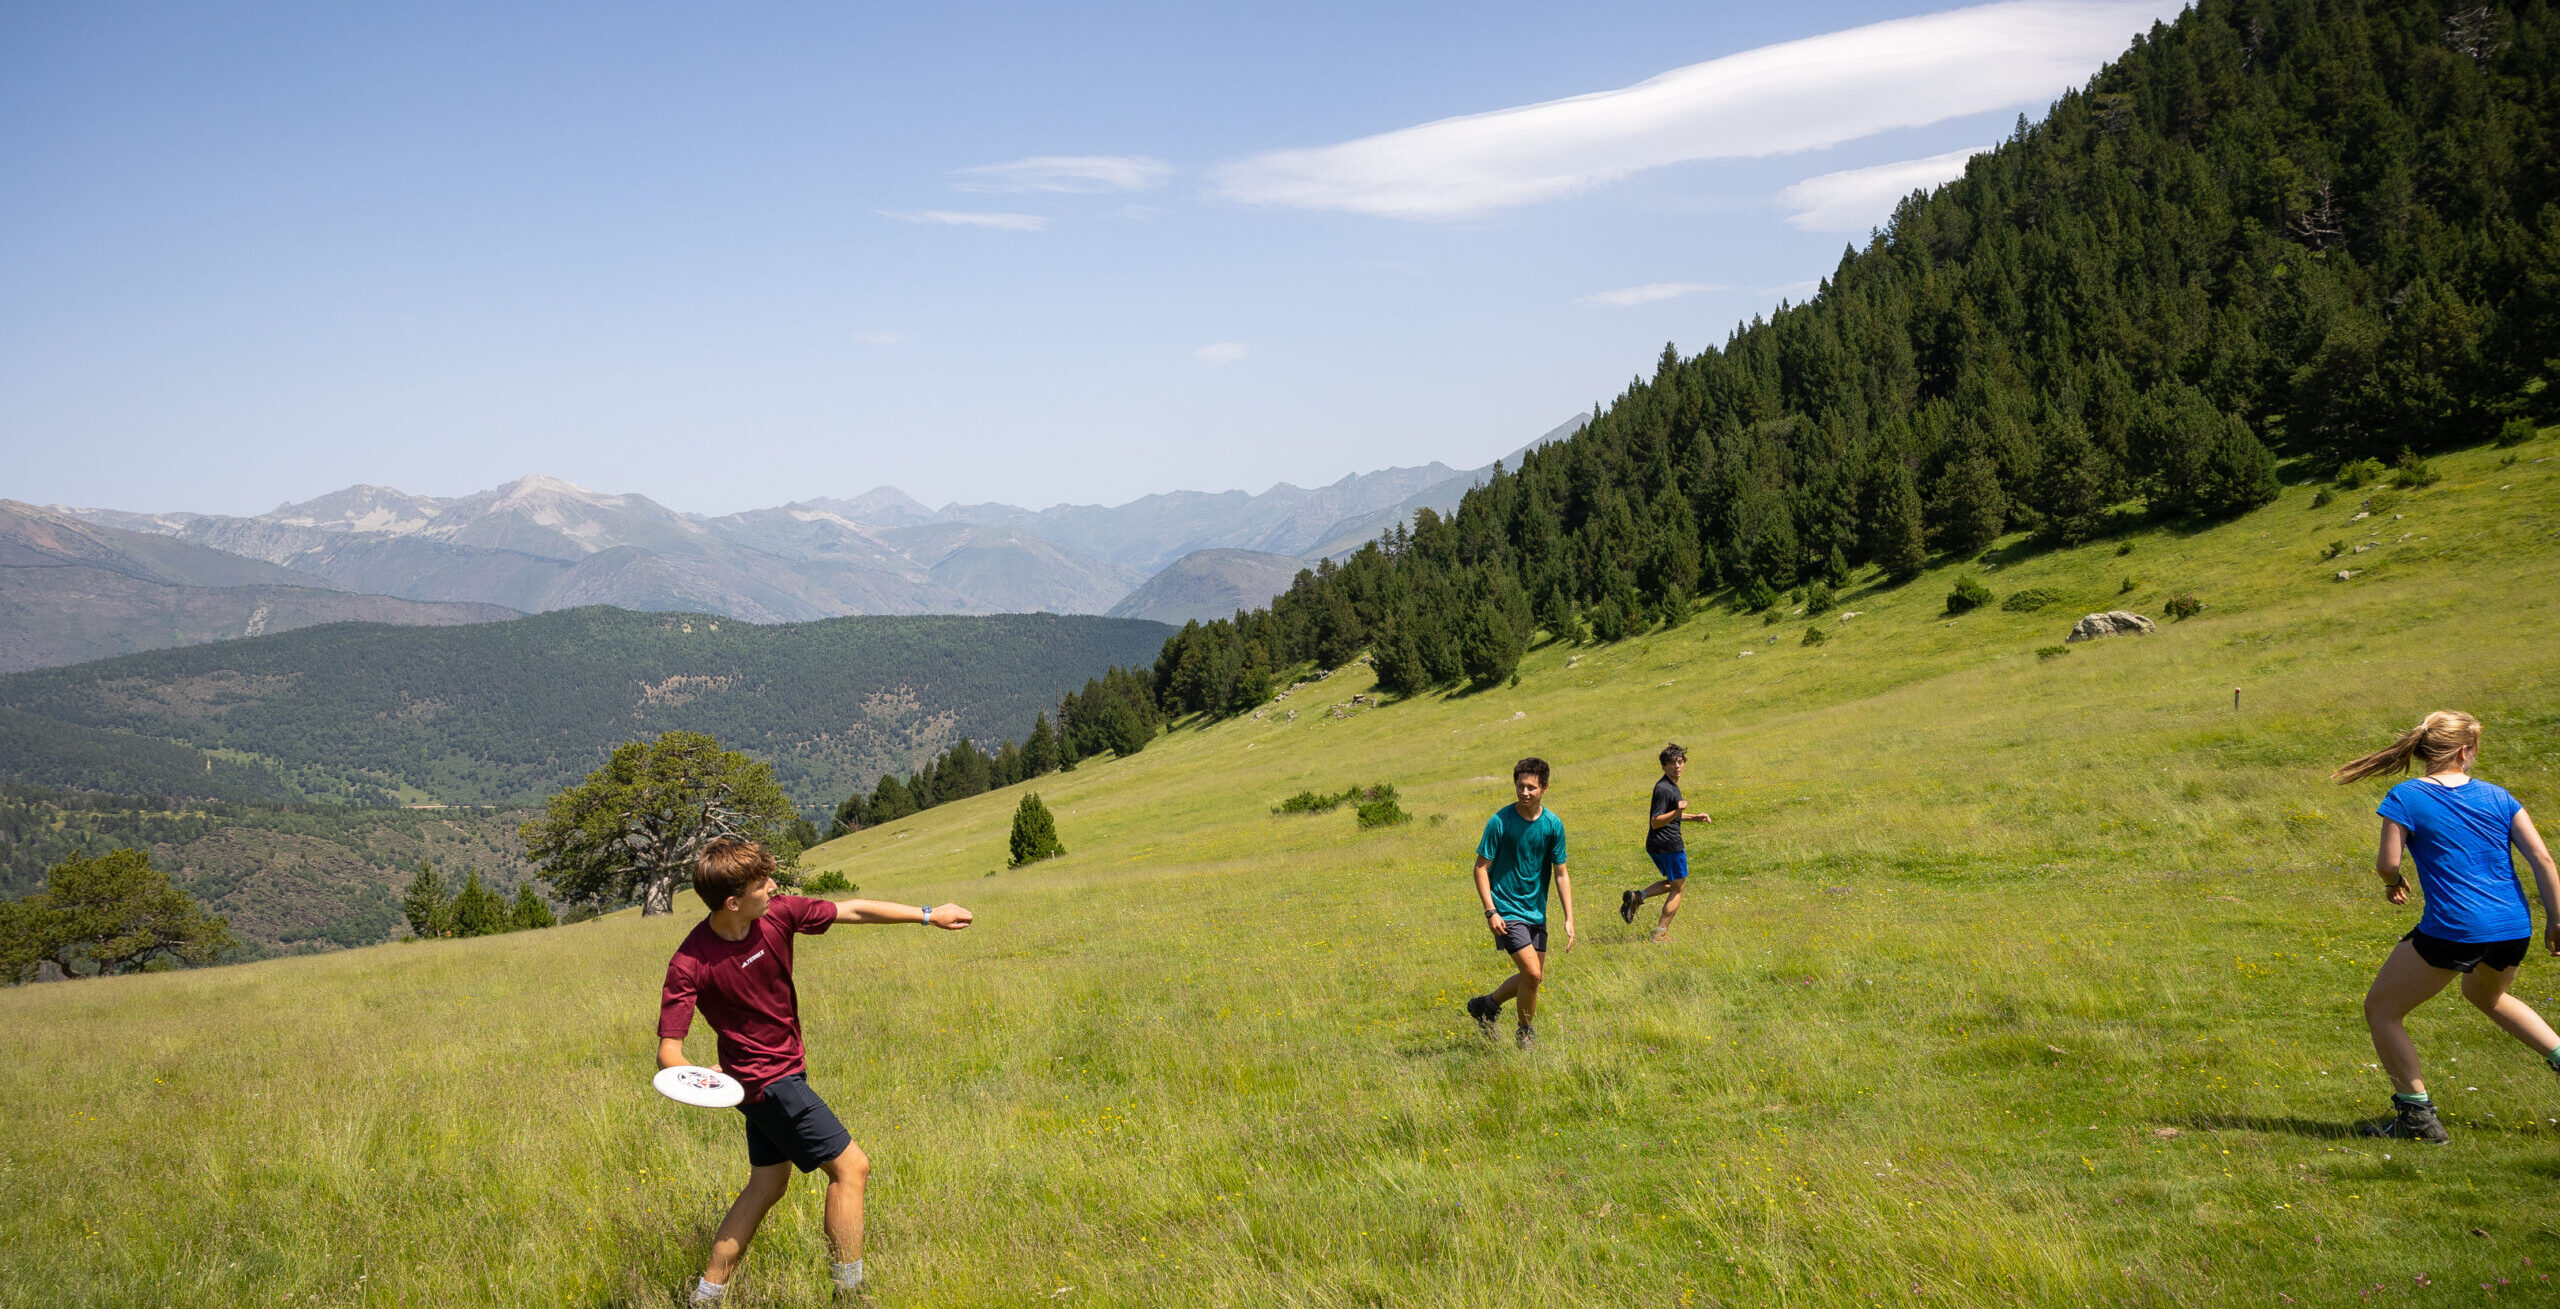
[2476,923]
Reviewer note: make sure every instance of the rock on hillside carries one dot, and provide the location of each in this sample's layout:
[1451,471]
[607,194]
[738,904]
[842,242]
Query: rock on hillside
[1206,584]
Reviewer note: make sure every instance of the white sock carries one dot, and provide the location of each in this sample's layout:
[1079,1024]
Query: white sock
[849,1276]
[707,1291]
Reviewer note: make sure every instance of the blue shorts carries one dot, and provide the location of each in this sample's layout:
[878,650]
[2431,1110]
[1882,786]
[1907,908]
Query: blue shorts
[1674,866]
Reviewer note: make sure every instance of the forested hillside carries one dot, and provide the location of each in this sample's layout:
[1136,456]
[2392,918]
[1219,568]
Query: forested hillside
[2316,229]
[290,879]
[506,713]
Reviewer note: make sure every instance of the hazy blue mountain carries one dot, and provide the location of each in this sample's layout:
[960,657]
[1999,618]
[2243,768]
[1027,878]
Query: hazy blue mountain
[72,591]
[1207,584]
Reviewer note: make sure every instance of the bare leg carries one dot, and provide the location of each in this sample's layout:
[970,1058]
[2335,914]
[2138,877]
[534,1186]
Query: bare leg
[1664,886]
[1523,985]
[846,1174]
[2488,991]
[2405,982]
[765,1186]
[1662,927]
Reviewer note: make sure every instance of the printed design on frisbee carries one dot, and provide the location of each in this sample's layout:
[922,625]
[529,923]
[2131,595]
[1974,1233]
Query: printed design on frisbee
[707,1088]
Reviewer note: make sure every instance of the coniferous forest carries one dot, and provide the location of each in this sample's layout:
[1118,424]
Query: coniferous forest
[2317,230]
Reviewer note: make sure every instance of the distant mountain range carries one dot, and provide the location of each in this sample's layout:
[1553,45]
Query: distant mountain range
[72,591]
[539,544]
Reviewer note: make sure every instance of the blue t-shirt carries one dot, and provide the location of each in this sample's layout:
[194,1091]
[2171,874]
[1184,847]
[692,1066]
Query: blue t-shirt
[2459,836]
[1522,852]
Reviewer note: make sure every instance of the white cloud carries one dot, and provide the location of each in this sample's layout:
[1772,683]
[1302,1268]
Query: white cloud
[1627,297]
[1799,95]
[878,338]
[1859,199]
[1223,352]
[1075,174]
[955,218]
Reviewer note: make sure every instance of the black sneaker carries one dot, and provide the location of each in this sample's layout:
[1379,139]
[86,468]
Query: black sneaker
[1484,1011]
[1628,903]
[2409,1122]
[1529,1036]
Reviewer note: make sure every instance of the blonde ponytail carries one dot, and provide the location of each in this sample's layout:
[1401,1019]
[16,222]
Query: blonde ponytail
[2439,740]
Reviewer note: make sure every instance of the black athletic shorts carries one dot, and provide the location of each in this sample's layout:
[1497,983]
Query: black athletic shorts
[1517,936]
[2463,956]
[792,1125]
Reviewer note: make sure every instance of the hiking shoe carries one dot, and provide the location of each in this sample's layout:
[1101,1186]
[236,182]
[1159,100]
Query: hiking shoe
[1529,1036]
[1628,903]
[1661,934]
[1484,1011]
[2409,1122]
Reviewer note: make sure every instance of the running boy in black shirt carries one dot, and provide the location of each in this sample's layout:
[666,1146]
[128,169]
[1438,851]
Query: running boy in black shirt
[1662,841]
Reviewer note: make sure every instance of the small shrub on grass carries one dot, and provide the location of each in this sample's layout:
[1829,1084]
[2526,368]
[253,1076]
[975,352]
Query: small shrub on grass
[2381,502]
[2052,651]
[1378,808]
[1035,833]
[830,882]
[2182,606]
[2322,497]
[2360,474]
[1815,636]
[2413,472]
[2030,600]
[2516,431]
[2130,584]
[2332,550]
[1967,596]
[1609,621]
[1308,802]
[1818,600]
[1757,596]
[2124,549]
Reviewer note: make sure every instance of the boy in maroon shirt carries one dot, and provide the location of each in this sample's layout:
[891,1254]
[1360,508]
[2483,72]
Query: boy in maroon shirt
[736,969]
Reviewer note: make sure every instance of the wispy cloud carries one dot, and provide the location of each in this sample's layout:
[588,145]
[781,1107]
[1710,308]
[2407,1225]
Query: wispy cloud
[1627,297]
[1223,352]
[1799,95]
[878,338]
[1074,174]
[957,218]
[1859,199]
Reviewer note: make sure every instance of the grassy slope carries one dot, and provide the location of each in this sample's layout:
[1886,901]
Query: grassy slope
[1973,936]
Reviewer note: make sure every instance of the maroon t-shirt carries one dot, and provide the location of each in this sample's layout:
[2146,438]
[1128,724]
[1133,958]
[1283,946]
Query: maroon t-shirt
[744,991]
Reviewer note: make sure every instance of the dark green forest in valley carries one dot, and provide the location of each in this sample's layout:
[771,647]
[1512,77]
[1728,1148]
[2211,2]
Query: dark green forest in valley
[507,713]
[2310,230]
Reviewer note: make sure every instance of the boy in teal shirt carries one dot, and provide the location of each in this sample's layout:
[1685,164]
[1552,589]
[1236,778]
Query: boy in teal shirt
[1521,842]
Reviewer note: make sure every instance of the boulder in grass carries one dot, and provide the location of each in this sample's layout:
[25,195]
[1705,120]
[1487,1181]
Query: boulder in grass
[2114,622]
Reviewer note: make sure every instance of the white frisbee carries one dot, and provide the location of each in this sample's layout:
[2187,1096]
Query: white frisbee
[707,1088]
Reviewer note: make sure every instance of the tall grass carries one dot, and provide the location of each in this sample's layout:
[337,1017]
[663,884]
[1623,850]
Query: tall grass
[2001,981]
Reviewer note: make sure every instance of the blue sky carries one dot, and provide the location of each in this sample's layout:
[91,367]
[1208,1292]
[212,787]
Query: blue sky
[730,257]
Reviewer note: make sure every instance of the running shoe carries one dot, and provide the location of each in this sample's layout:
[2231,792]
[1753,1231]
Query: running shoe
[1528,1036]
[1484,1011]
[2409,1122]
[1628,903]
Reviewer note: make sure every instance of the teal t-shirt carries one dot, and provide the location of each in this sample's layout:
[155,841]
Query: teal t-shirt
[1522,853]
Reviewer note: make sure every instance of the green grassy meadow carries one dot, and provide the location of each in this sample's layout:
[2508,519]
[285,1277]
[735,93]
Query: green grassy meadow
[2002,981]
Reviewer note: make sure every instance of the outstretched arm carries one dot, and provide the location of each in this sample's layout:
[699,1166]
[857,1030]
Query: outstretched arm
[949,917]
[2521,831]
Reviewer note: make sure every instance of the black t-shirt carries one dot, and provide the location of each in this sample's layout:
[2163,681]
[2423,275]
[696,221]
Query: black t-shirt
[1666,838]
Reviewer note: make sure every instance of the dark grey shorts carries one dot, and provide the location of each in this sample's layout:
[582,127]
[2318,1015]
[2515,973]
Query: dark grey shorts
[792,1125]
[1517,936]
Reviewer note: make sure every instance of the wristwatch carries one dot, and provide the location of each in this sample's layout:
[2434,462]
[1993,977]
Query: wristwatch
[927,911]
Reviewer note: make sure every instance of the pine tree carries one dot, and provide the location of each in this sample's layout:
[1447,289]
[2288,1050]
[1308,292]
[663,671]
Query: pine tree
[1971,506]
[424,904]
[1040,752]
[529,912]
[1035,832]
[477,910]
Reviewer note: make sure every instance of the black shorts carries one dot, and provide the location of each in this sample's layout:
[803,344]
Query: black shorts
[1517,936]
[2463,956]
[792,1125]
